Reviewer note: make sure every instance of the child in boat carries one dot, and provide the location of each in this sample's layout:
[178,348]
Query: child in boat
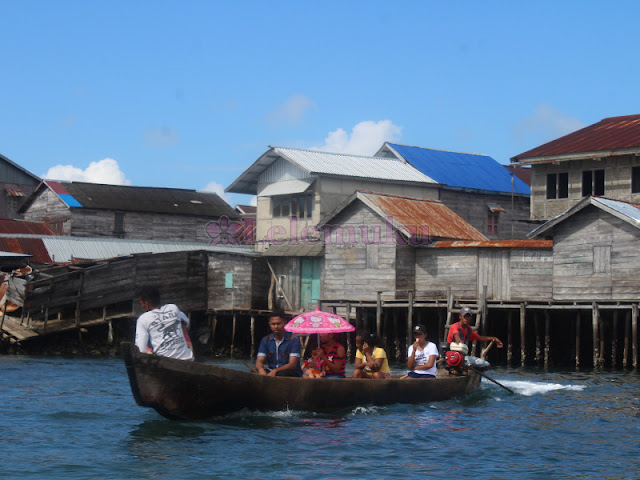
[313,367]
[371,360]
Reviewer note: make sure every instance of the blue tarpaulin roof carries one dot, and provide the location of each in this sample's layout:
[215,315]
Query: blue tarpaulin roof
[463,170]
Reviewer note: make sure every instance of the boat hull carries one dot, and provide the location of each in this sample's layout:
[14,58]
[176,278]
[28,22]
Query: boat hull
[179,389]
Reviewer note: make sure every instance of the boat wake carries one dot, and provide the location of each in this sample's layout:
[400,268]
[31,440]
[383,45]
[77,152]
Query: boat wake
[528,389]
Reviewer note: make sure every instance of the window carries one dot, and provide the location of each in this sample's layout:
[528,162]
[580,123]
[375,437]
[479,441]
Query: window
[492,224]
[118,224]
[635,180]
[558,185]
[300,206]
[592,182]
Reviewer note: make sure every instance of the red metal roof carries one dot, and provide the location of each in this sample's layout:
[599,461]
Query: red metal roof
[415,214]
[613,133]
[21,226]
[496,244]
[31,246]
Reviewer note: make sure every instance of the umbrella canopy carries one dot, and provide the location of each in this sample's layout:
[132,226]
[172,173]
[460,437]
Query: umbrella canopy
[318,322]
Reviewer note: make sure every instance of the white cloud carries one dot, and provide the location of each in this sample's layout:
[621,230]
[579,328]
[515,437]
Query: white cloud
[219,189]
[161,137]
[545,124]
[365,139]
[291,112]
[104,171]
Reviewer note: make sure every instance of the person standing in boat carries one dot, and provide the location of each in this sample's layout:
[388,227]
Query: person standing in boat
[422,355]
[161,327]
[280,350]
[371,360]
[461,332]
[333,355]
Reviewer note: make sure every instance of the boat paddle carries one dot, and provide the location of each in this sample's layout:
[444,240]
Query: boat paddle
[491,379]
[253,369]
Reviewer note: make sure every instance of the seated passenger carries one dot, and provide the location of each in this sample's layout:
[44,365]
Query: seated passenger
[280,350]
[371,360]
[422,355]
[313,367]
[333,355]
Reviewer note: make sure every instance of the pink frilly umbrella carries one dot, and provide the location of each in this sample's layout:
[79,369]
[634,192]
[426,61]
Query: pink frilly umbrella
[318,322]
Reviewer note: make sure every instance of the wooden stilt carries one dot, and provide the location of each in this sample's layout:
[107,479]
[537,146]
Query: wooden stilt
[614,340]
[547,337]
[214,324]
[347,317]
[252,328]
[396,337]
[379,314]
[359,324]
[578,321]
[409,319]
[594,327]
[627,327]
[601,333]
[523,336]
[441,322]
[634,334]
[510,337]
[233,336]
[536,324]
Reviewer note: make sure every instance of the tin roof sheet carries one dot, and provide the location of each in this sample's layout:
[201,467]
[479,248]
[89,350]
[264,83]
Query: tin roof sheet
[608,135]
[316,162]
[22,226]
[65,249]
[287,187]
[464,170]
[495,244]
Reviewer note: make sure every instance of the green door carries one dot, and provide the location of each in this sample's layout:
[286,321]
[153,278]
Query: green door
[309,282]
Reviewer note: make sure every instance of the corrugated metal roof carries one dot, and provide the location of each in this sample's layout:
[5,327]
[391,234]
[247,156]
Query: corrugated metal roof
[315,162]
[64,249]
[300,250]
[22,226]
[626,211]
[495,244]
[33,246]
[287,187]
[141,199]
[463,170]
[608,135]
[412,215]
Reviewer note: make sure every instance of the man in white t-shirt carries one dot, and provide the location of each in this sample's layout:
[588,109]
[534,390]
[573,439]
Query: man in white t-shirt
[161,327]
[421,359]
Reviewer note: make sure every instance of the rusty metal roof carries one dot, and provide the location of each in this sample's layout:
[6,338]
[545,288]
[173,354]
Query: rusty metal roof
[413,216]
[495,244]
[610,136]
[30,246]
[21,226]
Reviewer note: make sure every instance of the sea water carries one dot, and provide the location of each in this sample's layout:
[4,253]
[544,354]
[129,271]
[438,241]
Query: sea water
[76,419]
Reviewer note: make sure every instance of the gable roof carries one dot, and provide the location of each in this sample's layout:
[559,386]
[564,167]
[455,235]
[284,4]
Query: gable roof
[11,226]
[626,211]
[22,169]
[610,136]
[315,163]
[136,199]
[411,215]
[469,171]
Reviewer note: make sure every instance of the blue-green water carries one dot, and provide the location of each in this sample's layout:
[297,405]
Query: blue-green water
[76,419]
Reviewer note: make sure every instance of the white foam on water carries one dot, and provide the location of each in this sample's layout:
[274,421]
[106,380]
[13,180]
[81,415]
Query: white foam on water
[538,388]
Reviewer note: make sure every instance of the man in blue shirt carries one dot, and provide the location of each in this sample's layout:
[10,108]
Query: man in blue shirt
[280,350]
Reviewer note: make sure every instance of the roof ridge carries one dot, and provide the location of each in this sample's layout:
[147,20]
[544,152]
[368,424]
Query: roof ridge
[608,119]
[440,149]
[430,200]
[67,182]
[335,153]
[636,205]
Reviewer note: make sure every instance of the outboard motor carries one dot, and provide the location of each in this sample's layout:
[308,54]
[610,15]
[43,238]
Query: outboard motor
[455,358]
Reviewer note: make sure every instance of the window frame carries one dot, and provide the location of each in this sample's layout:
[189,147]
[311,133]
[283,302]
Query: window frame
[298,205]
[493,220]
[557,185]
[593,182]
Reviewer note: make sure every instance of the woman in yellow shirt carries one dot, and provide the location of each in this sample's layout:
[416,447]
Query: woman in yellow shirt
[371,360]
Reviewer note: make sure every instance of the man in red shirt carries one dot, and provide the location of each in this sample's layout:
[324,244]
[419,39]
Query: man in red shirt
[461,332]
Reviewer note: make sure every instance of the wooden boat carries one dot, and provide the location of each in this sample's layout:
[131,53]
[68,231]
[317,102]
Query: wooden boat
[179,389]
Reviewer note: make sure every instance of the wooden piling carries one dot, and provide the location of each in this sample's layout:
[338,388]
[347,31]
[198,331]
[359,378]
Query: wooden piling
[523,336]
[379,314]
[233,335]
[578,321]
[634,334]
[252,328]
[509,337]
[410,319]
[594,328]
[547,337]
[214,324]
[396,336]
[627,327]
[347,317]
[538,355]
[614,340]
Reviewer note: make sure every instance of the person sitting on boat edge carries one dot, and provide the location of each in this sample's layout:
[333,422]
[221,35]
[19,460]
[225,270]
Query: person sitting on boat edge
[421,358]
[333,355]
[161,327]
[461,332]
[313,367]
[371,360]
[280,350]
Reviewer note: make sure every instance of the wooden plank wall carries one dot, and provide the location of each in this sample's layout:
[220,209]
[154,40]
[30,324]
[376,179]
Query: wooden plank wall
[440,268]
[530,272]
[405,271]
[239,296]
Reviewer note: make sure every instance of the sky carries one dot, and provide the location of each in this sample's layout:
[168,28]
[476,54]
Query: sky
[188,94]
